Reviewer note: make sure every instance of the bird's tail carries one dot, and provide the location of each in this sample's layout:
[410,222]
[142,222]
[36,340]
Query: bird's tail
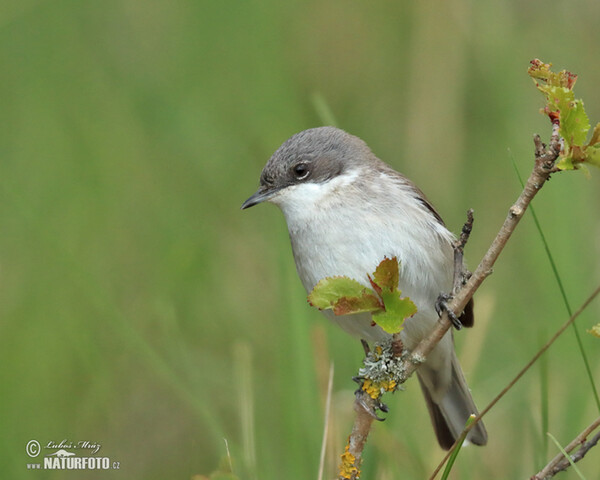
[450,412]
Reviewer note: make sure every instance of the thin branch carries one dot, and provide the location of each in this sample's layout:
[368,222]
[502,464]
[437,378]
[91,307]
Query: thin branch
[364,406]
[460,275]
[579,454]
[563,293]
[560,462]
[543,168]
[545,158]
[558,333]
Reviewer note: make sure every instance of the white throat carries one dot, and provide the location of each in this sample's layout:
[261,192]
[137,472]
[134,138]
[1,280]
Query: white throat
[302,202]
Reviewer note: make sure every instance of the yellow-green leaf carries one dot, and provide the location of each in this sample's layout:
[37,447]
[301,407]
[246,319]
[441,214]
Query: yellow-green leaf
[346,296]
[574,123]
[397,310]
[558,98]
[565,163]
[568,112]
[387,274]
[343,295]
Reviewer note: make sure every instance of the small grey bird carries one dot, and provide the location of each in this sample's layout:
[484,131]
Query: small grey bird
[346,210]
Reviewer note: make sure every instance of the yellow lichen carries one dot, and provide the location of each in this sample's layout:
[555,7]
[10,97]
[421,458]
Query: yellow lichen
[388,385]
[372,389]
[348,468]
[376,389]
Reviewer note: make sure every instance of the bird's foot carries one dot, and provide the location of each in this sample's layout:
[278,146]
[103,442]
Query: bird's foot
[370,404]
[441,305]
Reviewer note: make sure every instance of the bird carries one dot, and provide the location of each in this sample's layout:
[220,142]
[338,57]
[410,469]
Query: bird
[346,210]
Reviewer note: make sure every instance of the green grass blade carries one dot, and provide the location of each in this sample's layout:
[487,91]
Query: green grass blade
[455,452]
[562,291]
[567,456]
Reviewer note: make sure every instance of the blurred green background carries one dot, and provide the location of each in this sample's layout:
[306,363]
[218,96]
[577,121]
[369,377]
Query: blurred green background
[142,310]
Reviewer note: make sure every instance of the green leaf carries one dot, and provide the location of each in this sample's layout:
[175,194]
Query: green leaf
[330,289]
[397,309]
[387,274]
[344,296]
[565,163]
[562,108]
[454,454]
[559,98]
[385,281]
[574,123]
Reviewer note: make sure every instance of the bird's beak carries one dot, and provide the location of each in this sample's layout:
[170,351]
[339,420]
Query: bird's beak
[262,194]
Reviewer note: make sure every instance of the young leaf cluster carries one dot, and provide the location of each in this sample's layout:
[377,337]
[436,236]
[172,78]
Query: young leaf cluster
[568,112]
[345,296]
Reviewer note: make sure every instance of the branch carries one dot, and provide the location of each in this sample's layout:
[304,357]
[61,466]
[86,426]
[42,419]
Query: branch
[560,462]
[545,158]
[541,351]
[364,406]
[380,365]
[460,275]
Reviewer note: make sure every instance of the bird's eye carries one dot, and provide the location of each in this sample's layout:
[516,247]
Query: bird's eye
[300,171]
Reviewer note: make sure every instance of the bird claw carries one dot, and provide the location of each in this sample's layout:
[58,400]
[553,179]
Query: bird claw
[441,305]
[370,405]
[365,401]
[365,346]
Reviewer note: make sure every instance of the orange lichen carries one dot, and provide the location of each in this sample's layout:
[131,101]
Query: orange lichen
[348,468]
[376,389]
